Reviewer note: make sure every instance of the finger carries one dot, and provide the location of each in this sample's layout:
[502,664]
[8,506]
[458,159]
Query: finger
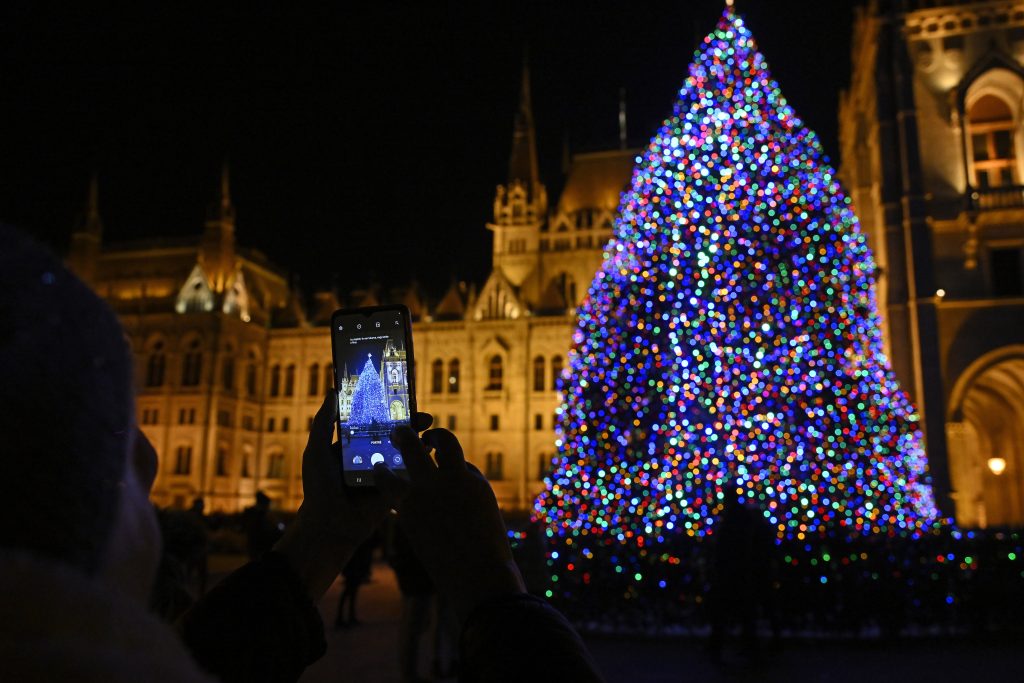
[447,449]
[322,429]
[393,489]
[417,460]
[422,421]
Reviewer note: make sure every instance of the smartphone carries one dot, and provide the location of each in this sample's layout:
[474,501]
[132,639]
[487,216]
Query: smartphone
[374,380]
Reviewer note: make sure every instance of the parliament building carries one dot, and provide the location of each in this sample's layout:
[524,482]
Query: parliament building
[231,366]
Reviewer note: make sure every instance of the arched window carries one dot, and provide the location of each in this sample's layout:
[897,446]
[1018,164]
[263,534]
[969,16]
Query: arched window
[222,466]
[538,373]
[227,373]
[156,365]
[992,142]
[250,375]
[192,366]
[275,380]
[183,460]
[495,373]
[289,380]
[495,470]
[453,376]
[544,462]
[247,467]
[556,372]
[275,466]
[314,379]
[437,376]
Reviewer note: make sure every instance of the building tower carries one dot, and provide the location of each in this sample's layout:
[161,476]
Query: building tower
[520,205]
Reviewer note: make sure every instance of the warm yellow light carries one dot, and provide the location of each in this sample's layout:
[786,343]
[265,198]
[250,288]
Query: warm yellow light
[940,293]
[997,465]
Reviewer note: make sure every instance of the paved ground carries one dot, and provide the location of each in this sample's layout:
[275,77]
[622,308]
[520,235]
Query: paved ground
[366,654]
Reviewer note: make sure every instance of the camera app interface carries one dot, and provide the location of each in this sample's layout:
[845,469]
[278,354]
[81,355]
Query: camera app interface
[373,388]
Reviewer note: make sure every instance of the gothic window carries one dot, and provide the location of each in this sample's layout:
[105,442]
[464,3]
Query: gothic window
[453,376]
[538,422]
[155,366]
[992,145]
[275,466]
[271,424]
[250,375]
[289,380]
[275,380]
[246,463]
[285,424]
[183,460]
[221,469]
[538,373]
[227,374]
[192,367]
[494,470]
[314,379]
[495,373]
[436,376]
[556,372]
[495,423]
[451,423]
[544,465]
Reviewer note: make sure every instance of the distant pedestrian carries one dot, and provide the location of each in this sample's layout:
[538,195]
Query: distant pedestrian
[355,574]
[260,531]
[740,578]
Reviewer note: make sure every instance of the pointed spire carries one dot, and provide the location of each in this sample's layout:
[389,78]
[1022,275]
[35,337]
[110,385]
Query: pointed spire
[87,236]
[93,224]
[224,210]
[523,162]
[217,249]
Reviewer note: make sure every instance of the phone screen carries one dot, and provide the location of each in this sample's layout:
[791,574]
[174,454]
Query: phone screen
[372,357]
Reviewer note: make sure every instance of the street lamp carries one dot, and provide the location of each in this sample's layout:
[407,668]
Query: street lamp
[997,465]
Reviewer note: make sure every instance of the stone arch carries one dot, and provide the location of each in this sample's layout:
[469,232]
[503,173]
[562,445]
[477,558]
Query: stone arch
[985,421]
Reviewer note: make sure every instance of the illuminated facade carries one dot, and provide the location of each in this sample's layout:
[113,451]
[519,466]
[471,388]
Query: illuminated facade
[231,368]
[932,147]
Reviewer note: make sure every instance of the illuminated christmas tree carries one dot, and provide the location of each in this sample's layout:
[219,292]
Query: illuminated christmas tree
[730,343]
[368,398]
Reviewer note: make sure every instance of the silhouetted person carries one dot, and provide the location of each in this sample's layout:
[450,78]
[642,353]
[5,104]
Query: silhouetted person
[260,532]
[354,575]
[740,576]
[417,591]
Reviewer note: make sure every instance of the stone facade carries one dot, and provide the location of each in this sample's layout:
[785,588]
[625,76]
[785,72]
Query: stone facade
[932,147]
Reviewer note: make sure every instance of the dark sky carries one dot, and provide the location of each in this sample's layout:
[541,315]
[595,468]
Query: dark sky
[365,139]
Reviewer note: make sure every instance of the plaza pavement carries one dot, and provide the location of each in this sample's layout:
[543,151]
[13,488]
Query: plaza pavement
[366,654]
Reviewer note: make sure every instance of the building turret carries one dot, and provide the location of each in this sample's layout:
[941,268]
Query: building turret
[521,205]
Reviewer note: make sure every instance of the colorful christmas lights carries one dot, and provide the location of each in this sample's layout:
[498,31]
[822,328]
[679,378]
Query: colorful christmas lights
[730,343]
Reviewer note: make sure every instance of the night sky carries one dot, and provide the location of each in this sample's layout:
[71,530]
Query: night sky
[365,139]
